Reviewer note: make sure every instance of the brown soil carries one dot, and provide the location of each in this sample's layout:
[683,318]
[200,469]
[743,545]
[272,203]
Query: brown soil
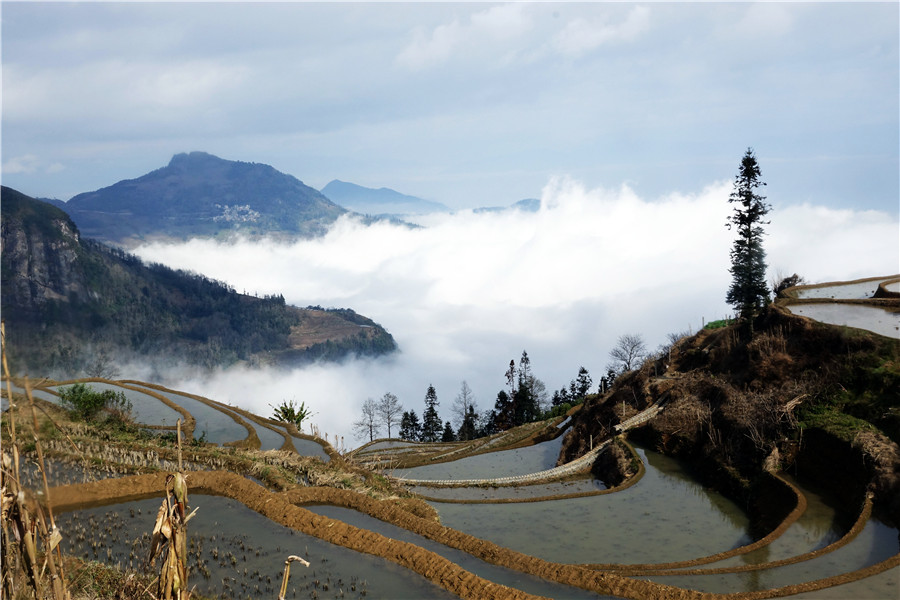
[283,508]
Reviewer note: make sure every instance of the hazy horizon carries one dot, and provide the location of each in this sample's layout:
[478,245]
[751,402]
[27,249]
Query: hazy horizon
[468,292]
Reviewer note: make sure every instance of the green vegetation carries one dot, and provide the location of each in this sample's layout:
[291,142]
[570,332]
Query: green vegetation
[85,300]
[748,292]
[86,404]
[831,419]
[289,412]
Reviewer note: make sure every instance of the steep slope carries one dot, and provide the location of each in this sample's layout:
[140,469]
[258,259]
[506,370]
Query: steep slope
[383,201]
[820,400]
[198,194]
[67,300]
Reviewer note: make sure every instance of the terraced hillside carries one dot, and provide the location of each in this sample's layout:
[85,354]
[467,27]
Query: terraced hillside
[551,509]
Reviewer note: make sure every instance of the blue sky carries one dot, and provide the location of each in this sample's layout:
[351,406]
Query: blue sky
[469,104]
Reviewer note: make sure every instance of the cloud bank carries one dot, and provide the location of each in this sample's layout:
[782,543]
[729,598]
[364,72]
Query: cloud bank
[468,292]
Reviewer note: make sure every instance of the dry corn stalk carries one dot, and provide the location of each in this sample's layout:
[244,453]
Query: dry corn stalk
[171,527]
[26,539]
[287,574]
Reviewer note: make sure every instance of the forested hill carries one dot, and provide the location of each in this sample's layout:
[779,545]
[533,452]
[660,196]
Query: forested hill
[201,195]
[71,304]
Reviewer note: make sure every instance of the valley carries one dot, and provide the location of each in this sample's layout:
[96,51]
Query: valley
[393,519]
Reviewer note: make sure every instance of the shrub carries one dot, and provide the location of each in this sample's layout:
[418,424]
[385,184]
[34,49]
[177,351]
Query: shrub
[85,403]
[289,412]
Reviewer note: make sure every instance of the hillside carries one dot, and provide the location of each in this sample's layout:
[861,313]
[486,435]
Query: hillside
[817,400]
[198,194]
[71,303]
[379,202]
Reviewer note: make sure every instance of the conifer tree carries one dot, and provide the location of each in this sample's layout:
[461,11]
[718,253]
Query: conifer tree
[748,292]
[448,435]
[431,422]
[410,428]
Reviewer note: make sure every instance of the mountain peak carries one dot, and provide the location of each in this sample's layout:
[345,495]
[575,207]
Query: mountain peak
[199,195]
[184,159]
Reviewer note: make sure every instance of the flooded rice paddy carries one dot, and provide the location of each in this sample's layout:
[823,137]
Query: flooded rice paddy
[875,543]
[504,576]
[870,318]
[666,516]
[584,485]
[236,553]
[214,425]
[312,448]
[146,409]
[853,290]
[503,463]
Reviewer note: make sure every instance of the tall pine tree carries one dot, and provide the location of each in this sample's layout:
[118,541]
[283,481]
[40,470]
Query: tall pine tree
[431,422]
[748,292]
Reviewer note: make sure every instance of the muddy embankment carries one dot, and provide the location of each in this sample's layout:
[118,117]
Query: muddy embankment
[284,508]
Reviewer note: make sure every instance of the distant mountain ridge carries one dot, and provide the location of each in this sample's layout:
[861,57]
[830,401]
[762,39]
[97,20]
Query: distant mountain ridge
[66,300]
[526,205]
[381,201]
[198,194]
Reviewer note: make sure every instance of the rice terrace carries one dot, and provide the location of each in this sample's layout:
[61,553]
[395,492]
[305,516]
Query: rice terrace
[643,491]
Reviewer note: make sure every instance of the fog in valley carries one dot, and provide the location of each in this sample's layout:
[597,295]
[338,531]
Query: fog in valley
[465,293]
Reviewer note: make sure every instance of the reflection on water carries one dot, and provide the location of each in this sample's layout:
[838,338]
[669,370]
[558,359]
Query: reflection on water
[875,543]
[268,439]
[870,318]
[215,424]
[235,552]
[307,447]
[503,463]
[816,528]
[521,581]
[515,492]
[884,586]
[843,291]
[665,516]
[146,409]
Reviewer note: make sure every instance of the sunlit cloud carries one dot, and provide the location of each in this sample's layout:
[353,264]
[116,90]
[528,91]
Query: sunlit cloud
[467,292]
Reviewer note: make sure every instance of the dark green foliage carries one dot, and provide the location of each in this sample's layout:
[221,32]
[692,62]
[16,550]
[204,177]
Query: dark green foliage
[468,429]
[289,412]
[410,427]
[448,435]
[787,282]
[92,300]
[748,292]
[718,324]
[582,383]
[85,403]
[431,422]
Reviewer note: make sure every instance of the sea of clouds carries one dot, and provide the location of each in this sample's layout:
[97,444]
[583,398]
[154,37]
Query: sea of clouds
[465,293]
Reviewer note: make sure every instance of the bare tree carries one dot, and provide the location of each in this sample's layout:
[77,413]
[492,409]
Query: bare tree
[628,352]
[390,411]
[461,404]
[367,425]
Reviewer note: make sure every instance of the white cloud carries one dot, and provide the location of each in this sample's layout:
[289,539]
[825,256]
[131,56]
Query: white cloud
[27,163]
[492,28]
[763,20]
[582,35]
[469,292]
